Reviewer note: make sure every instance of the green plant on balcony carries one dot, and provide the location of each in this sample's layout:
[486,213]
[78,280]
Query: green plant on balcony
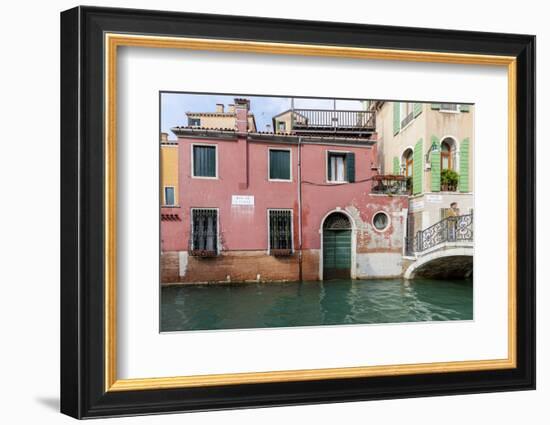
[449,180]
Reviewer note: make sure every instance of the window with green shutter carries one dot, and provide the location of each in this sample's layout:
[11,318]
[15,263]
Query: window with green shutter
[204,161]
[396,117]
[341,167]
[417,109]
[350,167]
[464,166]
[279,164]
[396,166]
[418,171]
[435,162]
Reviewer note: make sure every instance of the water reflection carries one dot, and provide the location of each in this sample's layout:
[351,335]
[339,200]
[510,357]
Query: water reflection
[265,305]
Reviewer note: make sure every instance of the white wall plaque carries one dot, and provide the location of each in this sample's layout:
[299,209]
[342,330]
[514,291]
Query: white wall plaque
[242,200]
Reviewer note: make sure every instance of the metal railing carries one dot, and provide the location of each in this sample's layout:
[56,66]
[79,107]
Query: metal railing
[280,232]
[333,119]
[204,233]
[391,185]
[450,229]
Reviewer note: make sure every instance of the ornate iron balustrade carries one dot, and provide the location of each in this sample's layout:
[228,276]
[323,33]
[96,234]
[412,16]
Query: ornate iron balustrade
[450,229]
[391,185]
[332,120]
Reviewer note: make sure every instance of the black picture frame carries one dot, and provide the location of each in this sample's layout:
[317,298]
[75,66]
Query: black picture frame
[83,392]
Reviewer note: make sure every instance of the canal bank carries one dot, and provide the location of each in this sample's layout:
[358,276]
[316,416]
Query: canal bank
[315,303]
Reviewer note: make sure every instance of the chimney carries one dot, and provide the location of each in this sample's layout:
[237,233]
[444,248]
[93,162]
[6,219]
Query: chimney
[219,108]
[163,137]
[241,111]
[231,108]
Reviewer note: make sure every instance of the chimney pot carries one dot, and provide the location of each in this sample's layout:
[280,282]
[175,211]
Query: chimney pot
[219,108]
[164,137]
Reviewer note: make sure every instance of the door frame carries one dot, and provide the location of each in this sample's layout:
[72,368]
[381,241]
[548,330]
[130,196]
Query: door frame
[353,265]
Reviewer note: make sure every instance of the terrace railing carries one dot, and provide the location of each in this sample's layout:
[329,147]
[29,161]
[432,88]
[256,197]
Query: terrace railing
[391,185]
[332,120]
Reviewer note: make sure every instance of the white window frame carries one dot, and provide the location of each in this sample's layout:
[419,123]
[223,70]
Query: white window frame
[291,228]
[165,204]
[327,155]
[218,242]
[402,114]
[273,148]
[216,177]
[387,224]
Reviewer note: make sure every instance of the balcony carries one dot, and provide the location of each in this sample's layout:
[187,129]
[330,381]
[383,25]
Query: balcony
[391,185]
[321,121]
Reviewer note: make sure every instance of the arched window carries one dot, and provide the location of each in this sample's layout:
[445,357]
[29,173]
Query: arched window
[448,154]
[407,162]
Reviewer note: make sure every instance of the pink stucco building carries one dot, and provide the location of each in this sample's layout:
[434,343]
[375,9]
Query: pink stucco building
[295,204]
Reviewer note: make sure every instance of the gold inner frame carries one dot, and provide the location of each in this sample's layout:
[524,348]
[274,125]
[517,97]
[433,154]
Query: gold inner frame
[113,41]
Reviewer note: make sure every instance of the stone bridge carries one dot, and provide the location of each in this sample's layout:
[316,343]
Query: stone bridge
[450,260]
[444,250]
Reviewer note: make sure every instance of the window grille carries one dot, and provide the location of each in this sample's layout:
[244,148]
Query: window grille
[204,232]
[280,232]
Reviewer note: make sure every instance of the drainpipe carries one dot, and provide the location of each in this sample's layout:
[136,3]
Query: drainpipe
[300,207]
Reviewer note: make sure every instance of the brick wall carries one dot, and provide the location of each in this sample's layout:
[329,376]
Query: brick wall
[240,266]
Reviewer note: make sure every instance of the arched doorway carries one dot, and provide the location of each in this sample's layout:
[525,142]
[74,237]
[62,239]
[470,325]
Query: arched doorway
[337,247]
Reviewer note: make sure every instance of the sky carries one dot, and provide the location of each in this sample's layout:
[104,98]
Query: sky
[175,105]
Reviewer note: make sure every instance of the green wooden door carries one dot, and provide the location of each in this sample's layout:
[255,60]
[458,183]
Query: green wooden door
[336,253]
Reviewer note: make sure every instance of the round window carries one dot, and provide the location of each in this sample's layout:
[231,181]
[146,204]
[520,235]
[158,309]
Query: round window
[381,221]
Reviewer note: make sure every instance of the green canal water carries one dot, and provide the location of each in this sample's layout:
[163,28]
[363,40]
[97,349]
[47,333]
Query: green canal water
[335,302]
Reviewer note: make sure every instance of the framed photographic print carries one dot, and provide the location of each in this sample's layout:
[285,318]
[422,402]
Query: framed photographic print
[261,212]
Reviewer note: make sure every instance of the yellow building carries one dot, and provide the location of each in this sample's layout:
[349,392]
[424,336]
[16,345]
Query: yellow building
[169,171]
[219,120]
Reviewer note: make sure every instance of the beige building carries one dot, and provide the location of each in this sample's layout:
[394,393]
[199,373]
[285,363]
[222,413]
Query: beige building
[432,145]
[221,119]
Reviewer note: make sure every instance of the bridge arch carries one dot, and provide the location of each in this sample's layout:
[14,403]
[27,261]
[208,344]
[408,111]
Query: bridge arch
[447,262]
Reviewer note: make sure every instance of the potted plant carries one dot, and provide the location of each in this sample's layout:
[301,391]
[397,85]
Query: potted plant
[449,180]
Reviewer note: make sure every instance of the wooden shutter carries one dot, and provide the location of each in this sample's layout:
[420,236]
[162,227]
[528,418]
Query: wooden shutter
[435,165]
[396,166]
[417,167]
[350,167]
[279,164]
[417,109]
[464,166]
[396,117]
[329,174]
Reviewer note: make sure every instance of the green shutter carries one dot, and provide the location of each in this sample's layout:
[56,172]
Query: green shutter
[204,161]
[435,165]
[464,177]
[464,108]
[396,118]
[329,176]
[396,166]
[279,164]
[417,109]
[418,161]
[436,105]
[350,167]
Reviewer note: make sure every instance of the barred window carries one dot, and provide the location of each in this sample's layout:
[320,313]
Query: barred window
[204,230]
[280,230]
